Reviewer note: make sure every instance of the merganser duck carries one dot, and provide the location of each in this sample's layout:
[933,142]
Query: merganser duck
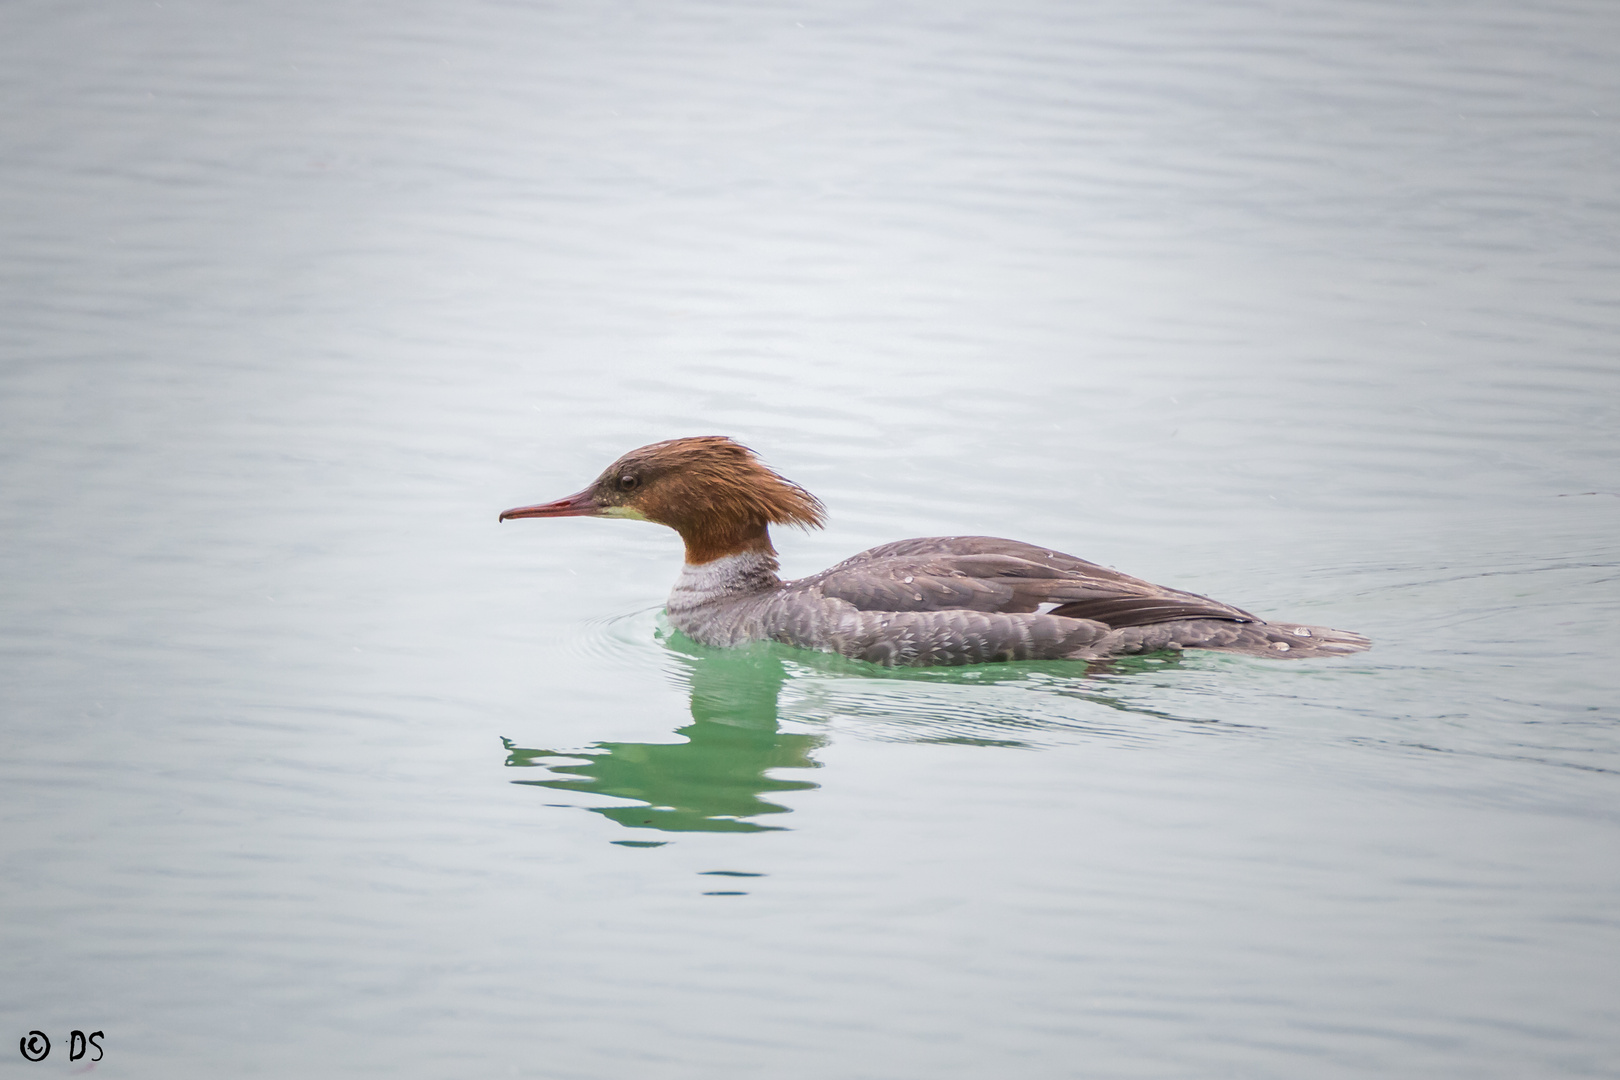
[931,601]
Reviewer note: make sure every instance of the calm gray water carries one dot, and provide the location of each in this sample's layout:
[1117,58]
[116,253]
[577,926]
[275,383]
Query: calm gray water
[311,769]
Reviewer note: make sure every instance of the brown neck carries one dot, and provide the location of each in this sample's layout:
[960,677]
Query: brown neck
[714,541]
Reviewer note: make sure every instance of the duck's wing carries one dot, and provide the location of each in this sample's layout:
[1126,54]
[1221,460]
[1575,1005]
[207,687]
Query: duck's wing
[986,573]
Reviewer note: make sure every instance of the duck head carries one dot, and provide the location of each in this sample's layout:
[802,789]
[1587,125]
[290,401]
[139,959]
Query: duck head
[715,492]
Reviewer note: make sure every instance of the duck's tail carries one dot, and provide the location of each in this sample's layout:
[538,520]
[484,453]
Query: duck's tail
[1278,640]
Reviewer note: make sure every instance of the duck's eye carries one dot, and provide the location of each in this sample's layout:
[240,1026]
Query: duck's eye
[628,482]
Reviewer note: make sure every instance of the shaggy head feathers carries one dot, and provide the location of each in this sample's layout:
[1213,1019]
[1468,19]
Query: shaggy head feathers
[715,492]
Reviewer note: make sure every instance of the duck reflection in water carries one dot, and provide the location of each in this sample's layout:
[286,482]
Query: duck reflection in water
[721,777]
[715,781]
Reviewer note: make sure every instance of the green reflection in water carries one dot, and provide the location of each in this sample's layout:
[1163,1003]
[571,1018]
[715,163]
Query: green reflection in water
[718,779]
[715,780]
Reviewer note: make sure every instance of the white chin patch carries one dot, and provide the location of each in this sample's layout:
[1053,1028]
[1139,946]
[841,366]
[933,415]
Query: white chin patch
[622,512]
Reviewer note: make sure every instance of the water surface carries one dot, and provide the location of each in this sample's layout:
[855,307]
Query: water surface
[311,767]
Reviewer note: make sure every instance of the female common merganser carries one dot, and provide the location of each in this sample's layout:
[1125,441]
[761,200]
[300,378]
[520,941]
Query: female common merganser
[934,600]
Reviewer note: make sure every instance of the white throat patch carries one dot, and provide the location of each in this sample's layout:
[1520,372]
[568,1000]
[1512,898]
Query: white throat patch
[621,512]
[728,575]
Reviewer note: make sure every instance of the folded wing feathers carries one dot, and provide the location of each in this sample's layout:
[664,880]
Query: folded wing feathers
[978,573]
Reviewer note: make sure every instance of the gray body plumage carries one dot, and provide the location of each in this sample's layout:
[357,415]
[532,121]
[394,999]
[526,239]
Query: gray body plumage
[971,600]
